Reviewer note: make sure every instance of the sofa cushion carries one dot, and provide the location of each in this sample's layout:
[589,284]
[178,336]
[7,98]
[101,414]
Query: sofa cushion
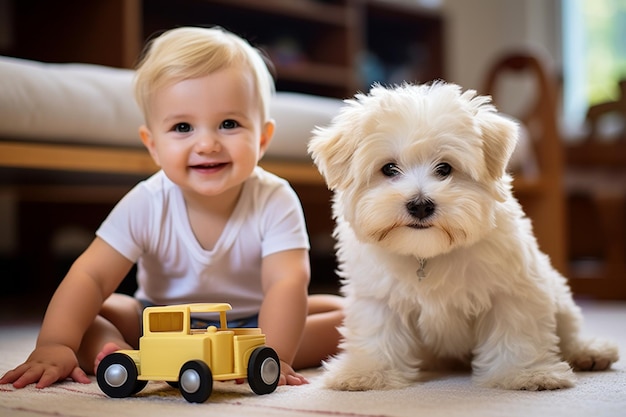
[94,104]
[68,102]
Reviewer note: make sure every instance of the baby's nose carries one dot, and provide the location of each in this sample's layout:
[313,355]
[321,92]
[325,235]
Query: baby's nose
[208,142]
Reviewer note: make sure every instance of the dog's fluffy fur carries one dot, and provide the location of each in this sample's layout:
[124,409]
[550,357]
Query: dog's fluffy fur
[438,261]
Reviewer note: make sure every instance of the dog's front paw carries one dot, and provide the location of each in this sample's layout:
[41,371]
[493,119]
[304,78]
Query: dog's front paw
[549,377]
[357,381]
[593,355]
[345,374]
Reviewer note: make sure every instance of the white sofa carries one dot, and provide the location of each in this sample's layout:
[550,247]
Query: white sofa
[68,116]
[88,112]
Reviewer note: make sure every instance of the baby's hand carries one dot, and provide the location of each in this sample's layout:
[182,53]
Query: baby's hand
[287,376]
[45,366]
[290,377]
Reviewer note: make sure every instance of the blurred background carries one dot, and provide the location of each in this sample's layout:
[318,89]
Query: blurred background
[567,60]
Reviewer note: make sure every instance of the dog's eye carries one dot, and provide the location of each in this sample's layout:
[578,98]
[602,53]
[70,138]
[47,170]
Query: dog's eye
[443,169]
[390,170]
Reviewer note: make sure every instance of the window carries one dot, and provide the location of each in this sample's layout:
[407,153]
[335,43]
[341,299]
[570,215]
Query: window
[594,54]
[167,321]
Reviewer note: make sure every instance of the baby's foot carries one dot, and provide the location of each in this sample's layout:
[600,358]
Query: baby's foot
[106,349]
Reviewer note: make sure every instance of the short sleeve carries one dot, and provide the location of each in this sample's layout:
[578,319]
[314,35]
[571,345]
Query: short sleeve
[284,226]
[127,225]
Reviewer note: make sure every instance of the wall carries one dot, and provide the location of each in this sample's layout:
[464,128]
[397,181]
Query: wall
[477,31]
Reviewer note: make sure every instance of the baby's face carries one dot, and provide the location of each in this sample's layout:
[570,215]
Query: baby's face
[207,133]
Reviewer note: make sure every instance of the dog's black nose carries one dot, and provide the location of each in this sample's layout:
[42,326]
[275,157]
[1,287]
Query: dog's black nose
[421,208]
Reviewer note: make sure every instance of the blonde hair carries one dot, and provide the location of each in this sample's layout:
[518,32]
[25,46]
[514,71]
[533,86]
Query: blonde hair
[193,52]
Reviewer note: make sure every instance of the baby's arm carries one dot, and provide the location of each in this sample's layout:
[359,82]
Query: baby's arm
[285,277]
[91,279]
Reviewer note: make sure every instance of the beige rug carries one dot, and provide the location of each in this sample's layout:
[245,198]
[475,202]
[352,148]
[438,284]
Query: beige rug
[596,394]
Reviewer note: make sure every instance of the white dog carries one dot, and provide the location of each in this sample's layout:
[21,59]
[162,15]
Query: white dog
[438,261]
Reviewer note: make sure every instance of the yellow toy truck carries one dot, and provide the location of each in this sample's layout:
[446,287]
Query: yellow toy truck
[190,359]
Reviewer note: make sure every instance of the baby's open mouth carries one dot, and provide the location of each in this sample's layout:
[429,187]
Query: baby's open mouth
[209,166]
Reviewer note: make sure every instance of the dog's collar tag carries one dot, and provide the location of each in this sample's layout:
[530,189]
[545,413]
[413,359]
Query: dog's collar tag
[421,272]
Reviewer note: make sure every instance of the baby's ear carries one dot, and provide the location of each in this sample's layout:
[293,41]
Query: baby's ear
[267,133]
[500,135]
[148,141]
[333,147]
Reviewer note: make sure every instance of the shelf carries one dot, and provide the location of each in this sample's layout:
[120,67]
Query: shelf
[311,10]
[404,42]
[331,75]
[316,45]
[311,42]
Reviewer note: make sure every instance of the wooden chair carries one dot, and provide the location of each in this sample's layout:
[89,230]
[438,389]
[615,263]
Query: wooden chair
[542,197]
[596,186]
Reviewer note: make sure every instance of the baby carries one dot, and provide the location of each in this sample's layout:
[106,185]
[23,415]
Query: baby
[210,226]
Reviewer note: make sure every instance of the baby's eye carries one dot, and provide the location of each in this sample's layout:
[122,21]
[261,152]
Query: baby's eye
[182,128]
[390,169]
[229,124]
[443,169]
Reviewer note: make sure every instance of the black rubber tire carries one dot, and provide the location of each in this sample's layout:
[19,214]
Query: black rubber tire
[139,385]
[195,381]
[263,370]
[117,376]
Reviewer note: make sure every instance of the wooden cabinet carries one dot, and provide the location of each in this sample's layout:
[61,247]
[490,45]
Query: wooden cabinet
[324,47]
[310,42]
[103,32]
[405,43]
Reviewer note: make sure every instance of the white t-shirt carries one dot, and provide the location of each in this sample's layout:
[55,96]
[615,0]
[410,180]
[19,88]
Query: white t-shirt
[150,226]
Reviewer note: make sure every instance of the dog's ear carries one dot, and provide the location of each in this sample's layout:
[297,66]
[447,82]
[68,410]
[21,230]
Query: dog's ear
[500,135]
[498,132]
[332,147]
[332,154]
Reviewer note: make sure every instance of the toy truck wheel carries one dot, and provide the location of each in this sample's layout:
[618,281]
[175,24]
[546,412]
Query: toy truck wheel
[195,381]
[117,376]
[263,370]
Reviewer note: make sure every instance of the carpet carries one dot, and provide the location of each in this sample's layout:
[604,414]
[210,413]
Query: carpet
[601,394]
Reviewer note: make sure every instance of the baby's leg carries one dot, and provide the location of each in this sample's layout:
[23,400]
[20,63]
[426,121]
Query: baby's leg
[116,327]
[321,337]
